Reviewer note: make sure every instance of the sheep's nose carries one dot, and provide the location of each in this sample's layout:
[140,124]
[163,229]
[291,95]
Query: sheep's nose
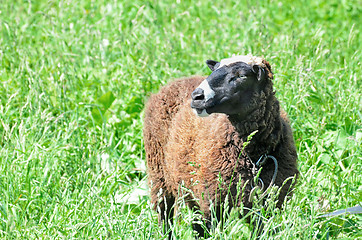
[198,94]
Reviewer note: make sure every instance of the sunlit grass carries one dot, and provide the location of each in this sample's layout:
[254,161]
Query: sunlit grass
[74,80]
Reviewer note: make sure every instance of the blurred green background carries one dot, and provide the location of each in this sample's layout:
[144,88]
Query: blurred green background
[74,78]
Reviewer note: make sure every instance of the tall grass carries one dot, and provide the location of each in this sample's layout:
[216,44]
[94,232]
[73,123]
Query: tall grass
[74,79]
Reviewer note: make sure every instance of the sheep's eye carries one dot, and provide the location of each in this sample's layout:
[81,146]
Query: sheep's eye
[240,78]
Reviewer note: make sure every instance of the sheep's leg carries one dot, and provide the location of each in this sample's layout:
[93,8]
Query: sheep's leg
[210,221]
[165,214]
[200,229]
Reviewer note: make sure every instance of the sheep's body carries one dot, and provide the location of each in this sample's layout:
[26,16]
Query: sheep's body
[205,155]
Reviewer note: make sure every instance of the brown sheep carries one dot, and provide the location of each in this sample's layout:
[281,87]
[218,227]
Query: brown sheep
[203,151]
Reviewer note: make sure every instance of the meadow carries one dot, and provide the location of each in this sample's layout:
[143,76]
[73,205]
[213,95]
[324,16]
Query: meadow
[74,78]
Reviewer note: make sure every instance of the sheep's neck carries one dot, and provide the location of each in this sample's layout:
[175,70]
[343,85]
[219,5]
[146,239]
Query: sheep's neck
[266,120]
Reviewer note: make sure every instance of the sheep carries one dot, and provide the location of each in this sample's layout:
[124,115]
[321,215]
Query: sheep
[194,131]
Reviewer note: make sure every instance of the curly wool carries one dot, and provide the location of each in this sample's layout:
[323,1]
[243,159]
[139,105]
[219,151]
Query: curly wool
[205,154]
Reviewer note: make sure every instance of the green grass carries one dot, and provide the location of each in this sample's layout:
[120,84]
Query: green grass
[74,77]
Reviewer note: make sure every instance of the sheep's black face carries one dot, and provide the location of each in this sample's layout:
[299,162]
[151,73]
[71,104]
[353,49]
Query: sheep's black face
[229,89]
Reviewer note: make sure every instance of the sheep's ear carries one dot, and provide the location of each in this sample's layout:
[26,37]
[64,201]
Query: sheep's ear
[213,65]
[259,71]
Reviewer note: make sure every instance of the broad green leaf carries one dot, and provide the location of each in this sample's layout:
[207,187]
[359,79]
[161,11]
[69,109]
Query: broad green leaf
[106,100]
[341,139]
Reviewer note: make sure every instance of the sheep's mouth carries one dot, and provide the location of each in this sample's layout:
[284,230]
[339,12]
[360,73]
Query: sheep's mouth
[202,107]
[216,105]
[198,110]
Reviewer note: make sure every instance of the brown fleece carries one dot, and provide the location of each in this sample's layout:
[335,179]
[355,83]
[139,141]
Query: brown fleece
[201,160]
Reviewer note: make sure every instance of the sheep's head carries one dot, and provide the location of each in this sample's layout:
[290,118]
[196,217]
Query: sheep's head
[231,86]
